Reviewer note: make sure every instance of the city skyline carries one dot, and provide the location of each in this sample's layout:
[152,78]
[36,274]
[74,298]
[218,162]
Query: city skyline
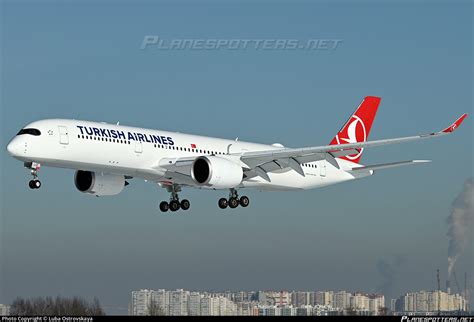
[269,302]
[285,302]
[387,234]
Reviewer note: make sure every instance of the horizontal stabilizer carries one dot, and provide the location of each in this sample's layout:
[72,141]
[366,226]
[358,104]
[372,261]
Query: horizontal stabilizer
[387,165]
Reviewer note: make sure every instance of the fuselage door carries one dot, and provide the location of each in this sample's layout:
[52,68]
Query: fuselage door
[322,168]
[138,147]
[63,135]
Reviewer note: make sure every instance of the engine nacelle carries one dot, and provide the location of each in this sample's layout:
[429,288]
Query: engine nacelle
[99,184]
[216,172]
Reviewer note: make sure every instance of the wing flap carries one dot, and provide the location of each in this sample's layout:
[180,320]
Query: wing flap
[381,166]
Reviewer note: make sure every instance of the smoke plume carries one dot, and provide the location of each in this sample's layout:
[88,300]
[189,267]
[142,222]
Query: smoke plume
[388,269]
[460,223]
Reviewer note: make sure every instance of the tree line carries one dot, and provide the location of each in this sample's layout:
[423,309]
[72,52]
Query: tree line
[55,306]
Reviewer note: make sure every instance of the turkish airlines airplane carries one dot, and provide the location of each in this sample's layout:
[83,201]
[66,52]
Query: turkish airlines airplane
[105,156]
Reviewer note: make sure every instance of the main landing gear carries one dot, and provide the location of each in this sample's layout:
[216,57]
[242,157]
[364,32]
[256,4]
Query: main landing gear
[234,201]
[174,204]
[34,167]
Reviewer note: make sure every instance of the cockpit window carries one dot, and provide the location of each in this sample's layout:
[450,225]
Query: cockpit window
[34,132]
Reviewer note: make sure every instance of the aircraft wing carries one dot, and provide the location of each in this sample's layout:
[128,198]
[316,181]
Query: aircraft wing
[177,170]
[261,162]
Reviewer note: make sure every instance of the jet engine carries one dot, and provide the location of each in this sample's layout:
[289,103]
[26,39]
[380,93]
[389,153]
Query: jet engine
[99,184]
[216,172]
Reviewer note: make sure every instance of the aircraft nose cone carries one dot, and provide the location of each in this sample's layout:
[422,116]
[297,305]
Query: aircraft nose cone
[14,147]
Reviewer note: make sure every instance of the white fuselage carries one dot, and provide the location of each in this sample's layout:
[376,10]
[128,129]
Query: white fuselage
[136,152]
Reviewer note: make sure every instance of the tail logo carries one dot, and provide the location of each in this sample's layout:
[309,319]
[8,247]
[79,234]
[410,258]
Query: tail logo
[353,133]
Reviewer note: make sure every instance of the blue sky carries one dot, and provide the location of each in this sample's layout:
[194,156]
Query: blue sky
[83,60]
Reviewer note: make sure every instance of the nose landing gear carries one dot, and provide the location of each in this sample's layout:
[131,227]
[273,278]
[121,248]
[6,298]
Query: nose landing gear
[34,168]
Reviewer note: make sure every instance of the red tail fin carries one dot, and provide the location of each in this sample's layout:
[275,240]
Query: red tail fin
[357,128]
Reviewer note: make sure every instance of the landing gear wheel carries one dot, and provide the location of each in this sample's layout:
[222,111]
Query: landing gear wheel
[174,205]
[185,204]
[164,206]
[233,202]
[244,201]
[34,168]
[223,203]
[34,184]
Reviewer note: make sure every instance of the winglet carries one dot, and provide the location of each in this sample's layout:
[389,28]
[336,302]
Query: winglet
[455,125]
